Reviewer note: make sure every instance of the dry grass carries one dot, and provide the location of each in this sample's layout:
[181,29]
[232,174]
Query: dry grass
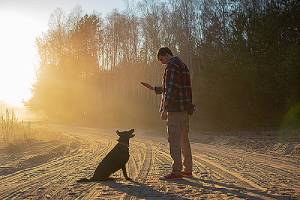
[16,134]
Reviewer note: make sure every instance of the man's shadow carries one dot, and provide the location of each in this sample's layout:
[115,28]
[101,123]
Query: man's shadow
[139,190]
[225,188]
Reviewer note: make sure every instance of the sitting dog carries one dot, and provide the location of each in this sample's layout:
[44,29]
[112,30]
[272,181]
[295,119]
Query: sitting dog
[115,160]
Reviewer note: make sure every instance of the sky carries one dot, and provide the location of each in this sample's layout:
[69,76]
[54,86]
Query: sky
[41,9]
[21,22]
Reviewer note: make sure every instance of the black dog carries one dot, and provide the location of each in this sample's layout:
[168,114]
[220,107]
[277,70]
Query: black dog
[115,160]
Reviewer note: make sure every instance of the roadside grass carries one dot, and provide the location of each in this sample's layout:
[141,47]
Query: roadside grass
[16,135]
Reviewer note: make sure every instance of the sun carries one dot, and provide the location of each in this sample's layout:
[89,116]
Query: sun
[18,57]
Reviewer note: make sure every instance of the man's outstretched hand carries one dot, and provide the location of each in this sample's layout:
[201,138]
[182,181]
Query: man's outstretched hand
[150,87]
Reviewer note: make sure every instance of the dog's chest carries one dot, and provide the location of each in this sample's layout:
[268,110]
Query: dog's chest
[125,155]
[120,154]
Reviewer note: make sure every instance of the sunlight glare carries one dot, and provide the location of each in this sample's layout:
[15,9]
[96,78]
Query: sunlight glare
[18,57]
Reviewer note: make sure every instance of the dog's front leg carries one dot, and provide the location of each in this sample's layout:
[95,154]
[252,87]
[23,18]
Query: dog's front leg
[125,173]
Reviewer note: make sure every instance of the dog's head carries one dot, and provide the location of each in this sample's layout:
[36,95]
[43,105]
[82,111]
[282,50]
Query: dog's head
[125,135]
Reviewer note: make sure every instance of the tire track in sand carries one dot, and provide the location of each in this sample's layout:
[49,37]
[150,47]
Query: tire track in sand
[41,183]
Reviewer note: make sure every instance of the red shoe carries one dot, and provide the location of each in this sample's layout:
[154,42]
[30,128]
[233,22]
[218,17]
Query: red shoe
[187,174]
[171,176]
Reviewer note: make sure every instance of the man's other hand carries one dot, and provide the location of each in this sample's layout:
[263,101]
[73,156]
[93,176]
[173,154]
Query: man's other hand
[164,115]
[150,87]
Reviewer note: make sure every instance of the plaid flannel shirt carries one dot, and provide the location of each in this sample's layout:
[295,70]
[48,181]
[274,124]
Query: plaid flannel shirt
[176,89]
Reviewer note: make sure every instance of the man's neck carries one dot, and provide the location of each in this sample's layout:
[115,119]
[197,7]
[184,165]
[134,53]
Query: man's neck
[169,57]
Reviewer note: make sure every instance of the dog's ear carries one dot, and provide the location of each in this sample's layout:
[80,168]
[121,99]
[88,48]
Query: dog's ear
[132,135]
[131,131]
[118,133]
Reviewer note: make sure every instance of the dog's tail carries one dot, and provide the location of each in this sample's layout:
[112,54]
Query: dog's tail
[84,180]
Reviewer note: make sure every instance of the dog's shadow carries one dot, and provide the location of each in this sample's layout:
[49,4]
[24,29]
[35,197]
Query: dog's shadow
[139,190]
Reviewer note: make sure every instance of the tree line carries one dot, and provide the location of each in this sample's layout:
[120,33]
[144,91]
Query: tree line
[243,57]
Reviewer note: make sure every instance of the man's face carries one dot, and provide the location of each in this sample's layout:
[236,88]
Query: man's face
[163,59]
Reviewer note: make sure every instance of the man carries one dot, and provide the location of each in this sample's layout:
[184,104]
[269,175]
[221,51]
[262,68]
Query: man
[176,105]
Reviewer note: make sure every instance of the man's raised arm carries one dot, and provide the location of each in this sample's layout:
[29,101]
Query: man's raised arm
[157,89]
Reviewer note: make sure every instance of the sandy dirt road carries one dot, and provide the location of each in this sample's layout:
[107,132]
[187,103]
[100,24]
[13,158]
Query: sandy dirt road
[220,172]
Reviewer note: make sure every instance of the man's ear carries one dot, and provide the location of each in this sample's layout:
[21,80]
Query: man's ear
[118,133]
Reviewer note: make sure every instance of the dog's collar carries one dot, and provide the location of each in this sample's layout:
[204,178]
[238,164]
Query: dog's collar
[127,145]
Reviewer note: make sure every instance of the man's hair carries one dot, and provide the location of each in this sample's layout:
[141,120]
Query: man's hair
[163,51]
